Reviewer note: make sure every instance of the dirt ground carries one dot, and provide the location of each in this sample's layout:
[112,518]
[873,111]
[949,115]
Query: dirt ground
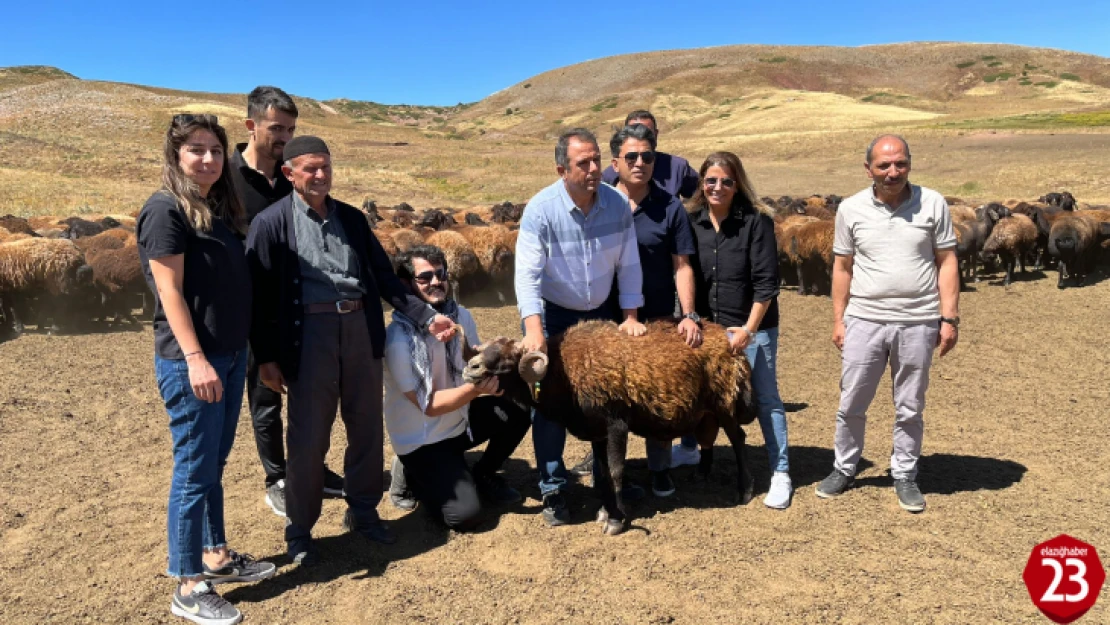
[1015,453]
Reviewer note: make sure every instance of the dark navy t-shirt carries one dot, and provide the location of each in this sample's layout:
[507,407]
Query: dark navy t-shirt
[216,284]
[662,231]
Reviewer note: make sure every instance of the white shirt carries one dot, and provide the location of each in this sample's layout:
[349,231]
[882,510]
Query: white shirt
[408,427]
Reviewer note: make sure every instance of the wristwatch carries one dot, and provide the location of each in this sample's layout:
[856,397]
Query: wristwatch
[952,321]
[692,316]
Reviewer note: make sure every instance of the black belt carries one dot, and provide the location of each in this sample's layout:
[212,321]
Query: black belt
[342,307]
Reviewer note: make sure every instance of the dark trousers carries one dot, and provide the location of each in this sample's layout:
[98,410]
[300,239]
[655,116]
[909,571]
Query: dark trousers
[265,406]
[437,474]
[550,437]
[338,370]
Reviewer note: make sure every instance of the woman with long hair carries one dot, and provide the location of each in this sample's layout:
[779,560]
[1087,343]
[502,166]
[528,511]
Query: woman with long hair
[737,282]
[190,243]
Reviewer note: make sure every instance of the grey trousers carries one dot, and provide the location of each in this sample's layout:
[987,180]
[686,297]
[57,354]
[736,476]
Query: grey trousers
[338,370]
[868,347]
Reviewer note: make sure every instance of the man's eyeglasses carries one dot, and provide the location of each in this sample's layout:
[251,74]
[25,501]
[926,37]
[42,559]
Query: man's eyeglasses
[182,119]
[727,183]
[425,277]
[630,157]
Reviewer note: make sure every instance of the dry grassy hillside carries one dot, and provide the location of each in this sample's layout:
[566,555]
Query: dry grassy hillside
[985,121]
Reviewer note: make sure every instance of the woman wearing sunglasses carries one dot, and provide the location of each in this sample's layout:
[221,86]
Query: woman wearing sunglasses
[190,243]
[737,281]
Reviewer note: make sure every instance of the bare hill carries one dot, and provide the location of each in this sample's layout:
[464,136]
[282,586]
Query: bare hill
[986,120]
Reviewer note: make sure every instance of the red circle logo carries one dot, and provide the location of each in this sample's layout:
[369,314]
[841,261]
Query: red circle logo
[1064,577]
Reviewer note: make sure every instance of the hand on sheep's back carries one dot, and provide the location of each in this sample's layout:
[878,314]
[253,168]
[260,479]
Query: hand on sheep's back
[632,327]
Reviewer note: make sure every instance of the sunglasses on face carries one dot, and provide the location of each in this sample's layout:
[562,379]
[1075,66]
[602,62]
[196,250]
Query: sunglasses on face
[182,119]
[727,183]
[425,277]
[630,157]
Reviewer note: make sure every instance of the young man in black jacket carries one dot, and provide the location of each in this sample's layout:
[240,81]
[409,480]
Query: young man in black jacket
[319,276]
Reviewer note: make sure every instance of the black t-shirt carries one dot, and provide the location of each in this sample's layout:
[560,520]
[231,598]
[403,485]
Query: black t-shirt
[216,284]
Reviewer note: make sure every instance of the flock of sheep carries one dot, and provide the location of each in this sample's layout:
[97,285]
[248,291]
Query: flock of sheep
[63,274]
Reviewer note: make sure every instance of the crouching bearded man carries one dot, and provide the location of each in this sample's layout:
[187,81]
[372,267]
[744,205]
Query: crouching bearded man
[433,417]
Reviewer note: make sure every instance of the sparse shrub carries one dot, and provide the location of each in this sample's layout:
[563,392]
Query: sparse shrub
[527,85]
[1048,84]
[724,115]
[774,59]
[557,122]
[1000,77]
[966,64]
[994,64]
[509,111]
[988,58]
[707,66]
[1067,76]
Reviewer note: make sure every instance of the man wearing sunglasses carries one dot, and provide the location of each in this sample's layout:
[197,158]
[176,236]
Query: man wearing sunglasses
[673,173]
[577,241]
[433,417]
[319,276]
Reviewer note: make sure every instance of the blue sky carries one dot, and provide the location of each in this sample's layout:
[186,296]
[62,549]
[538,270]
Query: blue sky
[449,52]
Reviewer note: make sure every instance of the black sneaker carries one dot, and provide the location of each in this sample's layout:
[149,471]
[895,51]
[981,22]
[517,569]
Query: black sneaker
[373,530]
[834,485]
[240,567]
[661,483]
[275,497]
[555,511]
[302,551]
[333,483]
[204,606]
[492,488]
[909,495]
[584,468]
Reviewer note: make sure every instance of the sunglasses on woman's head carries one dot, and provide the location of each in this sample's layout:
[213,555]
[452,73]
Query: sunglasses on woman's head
[727,183]
[182,119]
[425,277]
[630,157]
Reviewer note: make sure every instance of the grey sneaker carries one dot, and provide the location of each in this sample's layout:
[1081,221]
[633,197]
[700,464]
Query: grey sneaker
[555,511]
[240,567]
[275,497]
[399,493]
[834,485]
[333,483]
[204,606]
[909,495]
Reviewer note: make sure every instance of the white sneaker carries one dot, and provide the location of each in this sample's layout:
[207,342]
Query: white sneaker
[778,496]
[682,455]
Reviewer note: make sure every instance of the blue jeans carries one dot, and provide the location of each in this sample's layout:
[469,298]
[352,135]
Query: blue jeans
[549,438]
[202,436]
[762,353]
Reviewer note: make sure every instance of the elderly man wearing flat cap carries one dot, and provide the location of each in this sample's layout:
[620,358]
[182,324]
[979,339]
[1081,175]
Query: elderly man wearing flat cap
[319,276]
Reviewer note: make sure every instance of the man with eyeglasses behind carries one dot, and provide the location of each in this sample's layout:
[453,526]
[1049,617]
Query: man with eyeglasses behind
[433,416]
[673,173]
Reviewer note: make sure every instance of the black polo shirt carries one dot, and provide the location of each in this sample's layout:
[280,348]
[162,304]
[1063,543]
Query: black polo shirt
[253,188]
[662,231]
[735,267]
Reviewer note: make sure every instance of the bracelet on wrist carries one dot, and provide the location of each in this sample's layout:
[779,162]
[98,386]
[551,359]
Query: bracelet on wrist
[193,353]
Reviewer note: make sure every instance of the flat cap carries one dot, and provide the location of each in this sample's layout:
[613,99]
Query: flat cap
[305,144]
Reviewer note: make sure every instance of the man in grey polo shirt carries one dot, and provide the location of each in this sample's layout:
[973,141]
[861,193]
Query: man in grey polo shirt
[895,298]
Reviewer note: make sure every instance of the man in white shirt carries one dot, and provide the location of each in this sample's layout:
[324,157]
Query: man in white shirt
[433,417]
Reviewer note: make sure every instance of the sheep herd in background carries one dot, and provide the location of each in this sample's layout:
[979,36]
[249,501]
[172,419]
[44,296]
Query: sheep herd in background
[65,274]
